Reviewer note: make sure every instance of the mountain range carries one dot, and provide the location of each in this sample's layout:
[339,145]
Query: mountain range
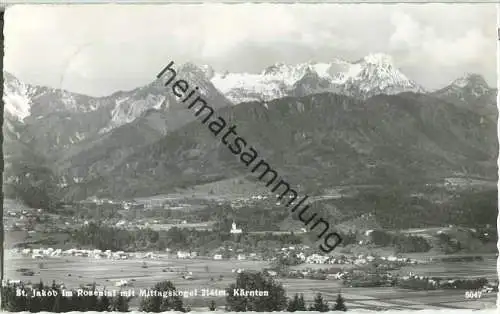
[372,75]
[321,124]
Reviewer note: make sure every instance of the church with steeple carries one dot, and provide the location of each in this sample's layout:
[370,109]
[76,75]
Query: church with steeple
[234,229]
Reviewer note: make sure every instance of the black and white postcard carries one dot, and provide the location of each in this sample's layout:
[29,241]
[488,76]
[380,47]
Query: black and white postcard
[250,157]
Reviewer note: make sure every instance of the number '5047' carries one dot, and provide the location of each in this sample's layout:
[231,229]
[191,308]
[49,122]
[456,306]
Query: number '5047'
[473,294]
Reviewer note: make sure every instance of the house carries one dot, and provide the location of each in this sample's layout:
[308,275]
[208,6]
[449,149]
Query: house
[13,282]
[241,257]
[339,275]
[121,283]
[487,289]
[37,256]
[301,256]
[316,259]
[183,254]
[392,258]
[150,255]
[57,252]
[187,275]
[120,255]
[272,273]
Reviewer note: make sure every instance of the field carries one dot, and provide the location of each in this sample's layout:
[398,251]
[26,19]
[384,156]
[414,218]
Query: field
[74,271]
[486,268]
[198,226]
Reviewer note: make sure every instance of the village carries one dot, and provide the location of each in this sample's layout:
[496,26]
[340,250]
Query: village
[289,262]
[230,256]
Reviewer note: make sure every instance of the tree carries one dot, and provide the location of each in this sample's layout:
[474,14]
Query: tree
[319,304]
[274,301]
[212,306]
[292,304]
[77,303]
[56,308]
[104,304]
[339,304]
[11,302]
[92,301]
[159,303]
[36,303]
[281,264]
[55,301]
[120,304]
[301,304]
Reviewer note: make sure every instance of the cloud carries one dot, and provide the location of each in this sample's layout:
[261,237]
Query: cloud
[423,41]
[100,49]
[471,50]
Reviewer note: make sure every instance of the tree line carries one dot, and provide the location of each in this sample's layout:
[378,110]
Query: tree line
[13,301]
[106,237]
[274,300]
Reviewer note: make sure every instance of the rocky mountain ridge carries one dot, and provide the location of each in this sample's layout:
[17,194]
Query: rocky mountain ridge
[372,75]
[90,141]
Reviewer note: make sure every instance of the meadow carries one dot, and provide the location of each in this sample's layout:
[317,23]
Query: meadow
[212,274]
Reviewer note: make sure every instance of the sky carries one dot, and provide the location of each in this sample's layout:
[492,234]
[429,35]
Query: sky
[100,49]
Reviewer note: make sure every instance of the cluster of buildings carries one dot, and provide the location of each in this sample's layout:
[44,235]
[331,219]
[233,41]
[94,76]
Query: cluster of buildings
[186,254]
[303,253]
[25,219]
[50,252]
[216,256]
[138,204]
[355,260]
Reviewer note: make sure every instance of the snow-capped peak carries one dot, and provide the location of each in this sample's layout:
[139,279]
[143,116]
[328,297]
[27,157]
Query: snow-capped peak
[275,69]
[16,97]
[469,85]
[470,79]
[379,59]
[374,74]
[377,74]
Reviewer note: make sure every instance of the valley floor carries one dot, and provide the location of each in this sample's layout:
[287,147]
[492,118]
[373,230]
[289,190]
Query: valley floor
[143,274]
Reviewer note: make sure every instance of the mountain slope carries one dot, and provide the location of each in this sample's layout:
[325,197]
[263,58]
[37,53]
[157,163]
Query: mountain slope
[77,131]
[371,130]
[319,141]
[471,92]
[27,176]
[163,114]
